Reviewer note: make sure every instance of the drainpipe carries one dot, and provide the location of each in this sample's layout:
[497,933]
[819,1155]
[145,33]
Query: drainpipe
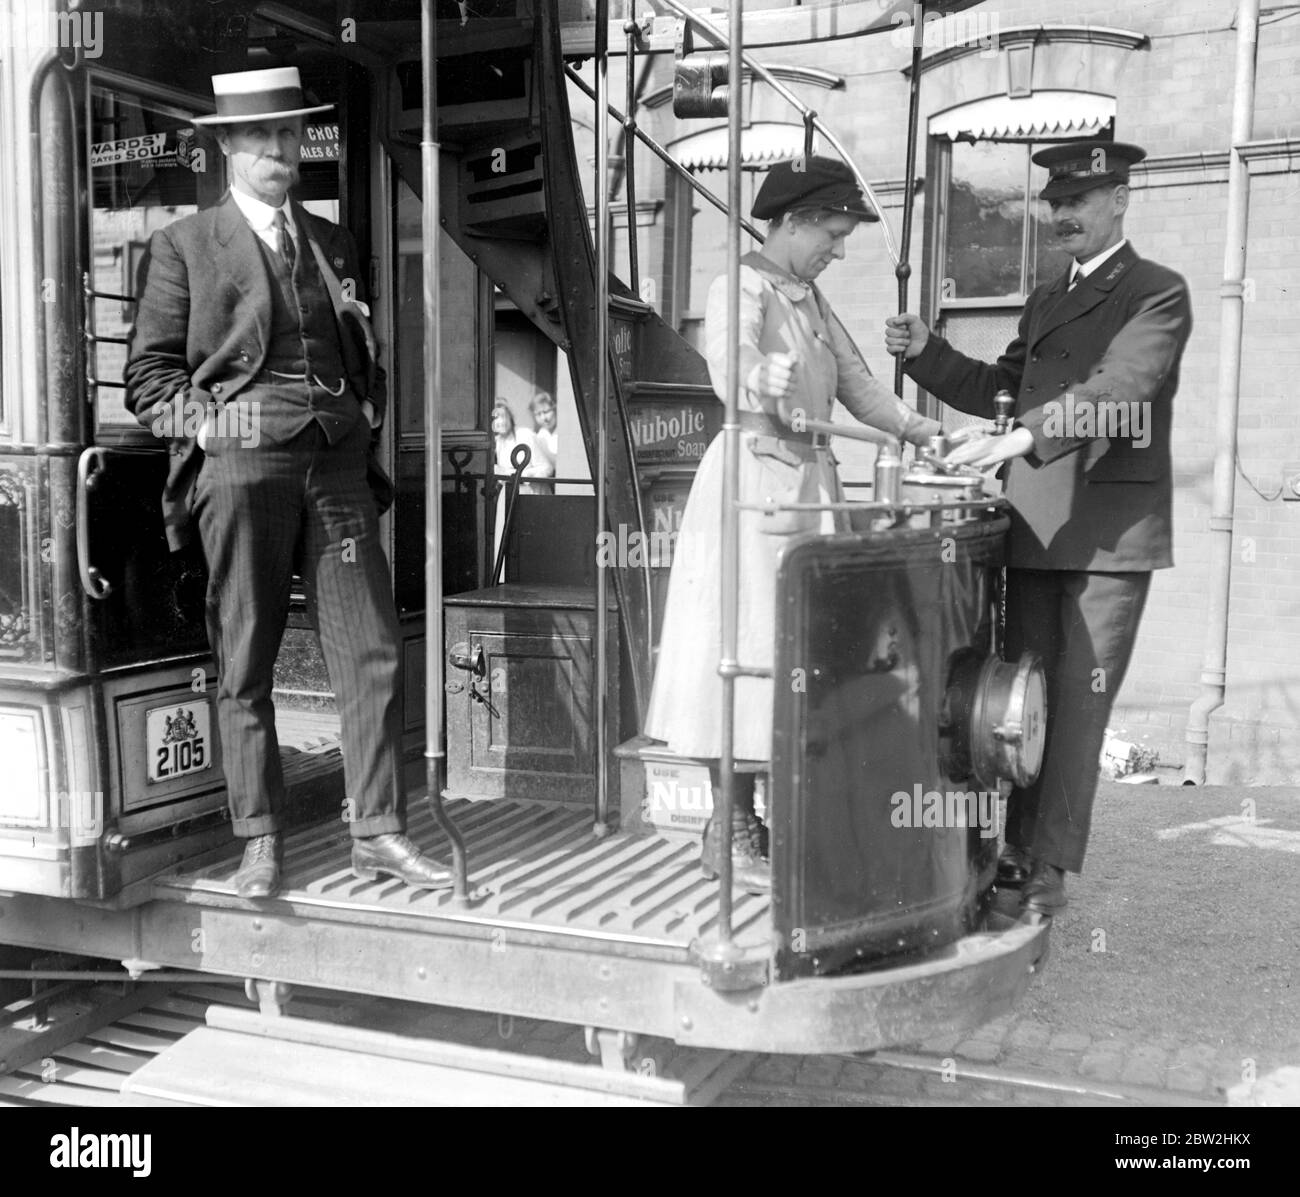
[1214,670]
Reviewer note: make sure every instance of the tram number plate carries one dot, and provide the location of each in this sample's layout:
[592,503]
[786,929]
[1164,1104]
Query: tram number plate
[178,740]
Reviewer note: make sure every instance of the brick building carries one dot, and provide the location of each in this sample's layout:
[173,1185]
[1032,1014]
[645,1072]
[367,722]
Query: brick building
[998,80]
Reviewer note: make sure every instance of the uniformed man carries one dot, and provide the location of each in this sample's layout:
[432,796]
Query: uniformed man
[1094,369]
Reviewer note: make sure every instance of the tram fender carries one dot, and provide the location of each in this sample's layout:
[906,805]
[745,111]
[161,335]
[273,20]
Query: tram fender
[981,978]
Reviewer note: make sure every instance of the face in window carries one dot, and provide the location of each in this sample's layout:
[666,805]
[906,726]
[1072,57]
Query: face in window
[263,157]
[503,421]
[814,246]
[544,415]
[1088,223]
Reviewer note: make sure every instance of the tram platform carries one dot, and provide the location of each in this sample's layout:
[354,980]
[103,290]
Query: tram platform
[532,865]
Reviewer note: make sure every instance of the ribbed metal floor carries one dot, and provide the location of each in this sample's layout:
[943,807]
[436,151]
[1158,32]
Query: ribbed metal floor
[530,863]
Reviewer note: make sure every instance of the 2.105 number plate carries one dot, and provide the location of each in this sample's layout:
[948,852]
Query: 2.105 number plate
[178,740]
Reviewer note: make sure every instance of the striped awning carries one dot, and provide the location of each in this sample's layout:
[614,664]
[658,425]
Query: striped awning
[1045,114]
[761,144]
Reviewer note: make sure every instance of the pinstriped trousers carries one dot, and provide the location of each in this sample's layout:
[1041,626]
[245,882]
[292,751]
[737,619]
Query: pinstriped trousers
[264,512]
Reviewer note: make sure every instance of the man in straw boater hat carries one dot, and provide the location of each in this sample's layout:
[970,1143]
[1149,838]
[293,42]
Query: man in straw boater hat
[251,313]
[1093,369]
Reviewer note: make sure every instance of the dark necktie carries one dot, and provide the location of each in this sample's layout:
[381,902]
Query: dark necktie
[1075,276]
[283,240]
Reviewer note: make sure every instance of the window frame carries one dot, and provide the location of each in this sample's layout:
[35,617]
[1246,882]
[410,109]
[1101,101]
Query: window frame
[174,102]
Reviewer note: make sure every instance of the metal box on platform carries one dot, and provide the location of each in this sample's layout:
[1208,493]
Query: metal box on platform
[521,693]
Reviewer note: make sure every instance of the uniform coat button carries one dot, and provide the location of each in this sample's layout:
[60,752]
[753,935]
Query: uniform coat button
[1063,384]
[216,388]
[1031,388]
[1035,358]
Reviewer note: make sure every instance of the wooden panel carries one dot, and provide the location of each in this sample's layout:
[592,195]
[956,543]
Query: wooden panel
[537,740]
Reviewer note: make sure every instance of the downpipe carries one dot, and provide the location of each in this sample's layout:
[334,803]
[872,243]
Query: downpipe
[1214,670]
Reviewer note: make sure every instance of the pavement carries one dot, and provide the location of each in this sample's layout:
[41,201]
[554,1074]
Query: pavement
[1176,966]
[1173,975]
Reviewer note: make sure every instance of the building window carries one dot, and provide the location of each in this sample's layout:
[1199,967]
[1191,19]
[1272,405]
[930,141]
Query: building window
[997,238]
[990,243]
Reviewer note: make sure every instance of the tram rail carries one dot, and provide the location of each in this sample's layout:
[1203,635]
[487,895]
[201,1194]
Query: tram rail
[137,1025]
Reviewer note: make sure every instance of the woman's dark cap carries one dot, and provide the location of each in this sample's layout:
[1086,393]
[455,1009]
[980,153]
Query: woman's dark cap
[810,183]
[1079,166]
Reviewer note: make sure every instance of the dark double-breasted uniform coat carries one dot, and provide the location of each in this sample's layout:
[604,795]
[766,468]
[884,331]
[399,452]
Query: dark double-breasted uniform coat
[1094,371]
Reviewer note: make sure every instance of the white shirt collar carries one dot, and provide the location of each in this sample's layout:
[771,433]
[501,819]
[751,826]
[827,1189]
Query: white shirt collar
[260,215]
[1082,270]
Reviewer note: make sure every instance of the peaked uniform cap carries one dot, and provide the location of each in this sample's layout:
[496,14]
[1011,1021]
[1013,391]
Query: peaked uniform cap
[1079,166]
[810,183]
[258,96]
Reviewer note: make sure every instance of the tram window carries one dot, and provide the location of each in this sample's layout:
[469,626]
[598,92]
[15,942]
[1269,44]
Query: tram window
[149,166]
[459,333]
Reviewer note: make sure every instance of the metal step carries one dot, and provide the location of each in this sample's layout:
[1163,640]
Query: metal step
[242,1058]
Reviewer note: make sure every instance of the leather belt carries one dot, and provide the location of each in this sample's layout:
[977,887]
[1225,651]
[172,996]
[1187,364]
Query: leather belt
[272,377]
[765,425]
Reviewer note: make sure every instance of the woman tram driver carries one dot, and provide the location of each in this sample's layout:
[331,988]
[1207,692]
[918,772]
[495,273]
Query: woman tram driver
[794,359]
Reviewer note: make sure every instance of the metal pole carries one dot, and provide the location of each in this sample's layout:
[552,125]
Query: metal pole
[730,589]
[903,270]
[1214,669]
[601,192]
[435,753]
[629,156]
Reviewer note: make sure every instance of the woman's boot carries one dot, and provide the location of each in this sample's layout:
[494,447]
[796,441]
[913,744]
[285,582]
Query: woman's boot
[749,871]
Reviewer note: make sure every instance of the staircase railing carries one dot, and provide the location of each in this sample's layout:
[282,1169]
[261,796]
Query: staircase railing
[902,268]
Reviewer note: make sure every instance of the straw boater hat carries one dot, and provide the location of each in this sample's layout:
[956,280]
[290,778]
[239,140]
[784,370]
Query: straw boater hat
[258,96]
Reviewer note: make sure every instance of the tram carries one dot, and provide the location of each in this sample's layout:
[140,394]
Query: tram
[451,158]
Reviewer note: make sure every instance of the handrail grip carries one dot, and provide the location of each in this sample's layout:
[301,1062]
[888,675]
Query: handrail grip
[91,293]
[92,581]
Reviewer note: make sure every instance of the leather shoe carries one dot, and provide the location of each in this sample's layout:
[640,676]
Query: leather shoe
[1044,892]
[394,855]
[258,875]
[1014,866]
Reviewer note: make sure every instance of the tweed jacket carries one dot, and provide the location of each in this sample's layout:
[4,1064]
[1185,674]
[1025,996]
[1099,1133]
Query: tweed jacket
[203,330]
[1094,371]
